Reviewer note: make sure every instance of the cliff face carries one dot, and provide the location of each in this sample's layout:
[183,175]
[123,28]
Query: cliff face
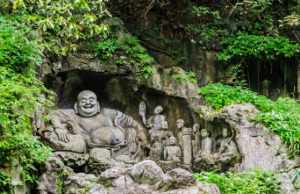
[184,59]
[159,52]
[191,34]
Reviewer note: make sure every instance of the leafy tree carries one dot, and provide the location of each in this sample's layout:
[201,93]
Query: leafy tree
[62,24]
[260,47]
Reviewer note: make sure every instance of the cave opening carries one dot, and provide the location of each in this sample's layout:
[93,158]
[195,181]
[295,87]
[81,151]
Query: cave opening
[273,80]
[120,93]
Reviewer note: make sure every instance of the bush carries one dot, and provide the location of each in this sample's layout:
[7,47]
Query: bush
[258,46]
[20,94]
[254,182]
[219,95]
[16,51]
[281,116]
[125,50]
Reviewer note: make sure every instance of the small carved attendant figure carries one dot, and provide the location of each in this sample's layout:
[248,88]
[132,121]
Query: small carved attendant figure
[158,120]
[156,123]
[196,139]
[185,142]
[48,180]
[156,149]
[172,152]
[180,126]
[206,143]
[228,152]
[205,153]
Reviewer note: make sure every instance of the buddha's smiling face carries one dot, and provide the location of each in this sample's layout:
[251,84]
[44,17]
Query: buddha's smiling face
[87,104]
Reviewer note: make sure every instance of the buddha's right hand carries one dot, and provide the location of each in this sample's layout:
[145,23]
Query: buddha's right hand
[62,135]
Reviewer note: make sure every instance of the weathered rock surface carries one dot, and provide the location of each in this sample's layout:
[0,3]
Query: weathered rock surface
[260,149]
[181,176]
[144,177]
[163,80]
[147,172]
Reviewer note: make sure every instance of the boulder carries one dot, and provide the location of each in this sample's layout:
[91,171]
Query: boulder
[146,172]
[181,177]
[260,149]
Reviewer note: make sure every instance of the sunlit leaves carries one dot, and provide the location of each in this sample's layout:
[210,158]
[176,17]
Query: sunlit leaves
[254,182]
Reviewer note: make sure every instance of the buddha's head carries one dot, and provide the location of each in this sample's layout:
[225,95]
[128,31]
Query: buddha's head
[204,133]
[158,109]
[179,123]
[172,140]
[87,104]
[196,127]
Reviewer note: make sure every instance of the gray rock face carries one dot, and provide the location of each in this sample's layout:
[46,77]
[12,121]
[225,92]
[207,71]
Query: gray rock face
[112,173]
[79,183]
[259,148]
[181,177]
[147,172]
[107,157]
[163,80]
[144,177]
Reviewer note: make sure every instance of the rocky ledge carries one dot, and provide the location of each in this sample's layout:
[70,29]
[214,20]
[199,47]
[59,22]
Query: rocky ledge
[145,177]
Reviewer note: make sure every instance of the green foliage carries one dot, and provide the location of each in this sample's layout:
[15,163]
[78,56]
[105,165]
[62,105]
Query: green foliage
[20,94]
[62,24]
[208,26]
[281,116]
[213,23]
[254,182]
[4,182]
[203,11]
[257,46]
[187,76]
[284,119]
[125,50]
[219,95]
[252,8]
[234,75]
[17,52]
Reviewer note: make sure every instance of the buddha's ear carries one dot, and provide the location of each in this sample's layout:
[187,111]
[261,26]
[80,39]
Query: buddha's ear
[76,108]
[98,107]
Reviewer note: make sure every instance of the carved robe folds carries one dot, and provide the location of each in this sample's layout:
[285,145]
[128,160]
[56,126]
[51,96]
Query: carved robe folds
[107,129]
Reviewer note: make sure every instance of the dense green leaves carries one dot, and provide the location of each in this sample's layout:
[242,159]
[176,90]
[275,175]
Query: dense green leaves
[62,24]
[125,50]
[219,95]
[281,116]
[186,76]
[20,94]
[257,46]
[254,182]
[17,52]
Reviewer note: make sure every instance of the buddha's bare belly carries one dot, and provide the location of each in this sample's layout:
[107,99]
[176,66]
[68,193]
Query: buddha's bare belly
[106,136]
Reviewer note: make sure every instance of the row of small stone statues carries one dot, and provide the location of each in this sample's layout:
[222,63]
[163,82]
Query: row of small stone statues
[195,148]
